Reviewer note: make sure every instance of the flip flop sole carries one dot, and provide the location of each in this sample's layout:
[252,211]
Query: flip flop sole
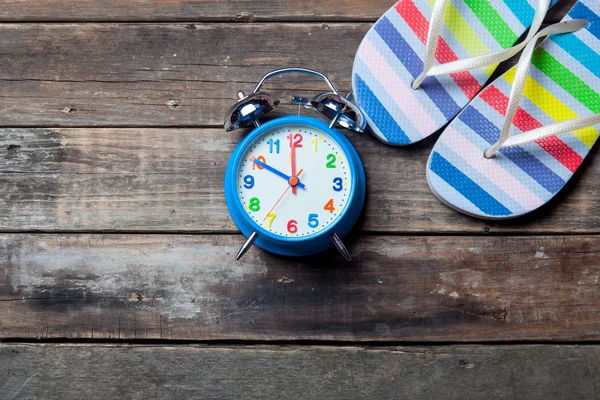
[563,84]
[391,56]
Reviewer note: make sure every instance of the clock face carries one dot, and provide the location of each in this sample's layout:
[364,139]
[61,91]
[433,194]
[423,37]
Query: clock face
[294,181]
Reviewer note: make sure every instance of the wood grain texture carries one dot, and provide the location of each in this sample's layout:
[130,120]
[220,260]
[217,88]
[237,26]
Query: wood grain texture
[159,74]
[265,372]
[205,10]
[194,10]
[397,289]
[171,180]
[182,76]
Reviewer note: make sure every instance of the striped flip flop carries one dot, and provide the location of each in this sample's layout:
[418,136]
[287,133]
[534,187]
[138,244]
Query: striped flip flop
[517,144]
[404,46]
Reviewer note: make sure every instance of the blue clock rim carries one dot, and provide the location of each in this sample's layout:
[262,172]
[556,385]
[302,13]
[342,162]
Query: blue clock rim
[240,217]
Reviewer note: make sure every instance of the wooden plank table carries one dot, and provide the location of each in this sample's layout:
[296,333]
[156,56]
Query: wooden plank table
[117,277]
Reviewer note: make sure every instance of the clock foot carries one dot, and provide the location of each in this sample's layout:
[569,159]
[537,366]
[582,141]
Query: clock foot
[247,245]
[340,246]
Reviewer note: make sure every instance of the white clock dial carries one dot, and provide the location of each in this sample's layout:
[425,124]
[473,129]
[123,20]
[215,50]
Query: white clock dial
[267,195]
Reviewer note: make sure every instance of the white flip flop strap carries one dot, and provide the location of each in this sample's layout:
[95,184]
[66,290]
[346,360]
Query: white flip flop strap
[517,94]
[435,28]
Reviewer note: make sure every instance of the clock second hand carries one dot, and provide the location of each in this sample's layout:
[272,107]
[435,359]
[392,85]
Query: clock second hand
[281,198]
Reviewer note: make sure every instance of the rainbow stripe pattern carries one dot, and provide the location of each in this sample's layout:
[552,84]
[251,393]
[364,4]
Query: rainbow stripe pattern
[563,84]
[391,56]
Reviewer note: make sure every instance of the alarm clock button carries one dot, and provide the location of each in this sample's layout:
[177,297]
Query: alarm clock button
[246,112]
[341,110]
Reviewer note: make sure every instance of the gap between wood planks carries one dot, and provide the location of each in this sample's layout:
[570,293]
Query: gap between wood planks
[139,11]
[355,235]
[234,344]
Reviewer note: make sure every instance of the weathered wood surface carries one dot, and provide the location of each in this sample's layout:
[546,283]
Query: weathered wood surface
[194,10]
[171,180]
[187,75]
[204,10]
[179,79]
[397,289]
[171,83]
[265,372]
[158,74]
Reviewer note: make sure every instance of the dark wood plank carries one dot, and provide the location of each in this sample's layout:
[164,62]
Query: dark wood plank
[206,10]
[158,75]
[397,289]
[171,180]
[194,10]
[268,372]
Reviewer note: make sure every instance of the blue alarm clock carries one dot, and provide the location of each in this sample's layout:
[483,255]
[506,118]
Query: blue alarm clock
[295,186]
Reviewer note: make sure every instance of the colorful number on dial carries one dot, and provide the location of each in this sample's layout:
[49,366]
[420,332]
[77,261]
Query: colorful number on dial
[331,161]
[295,140]
[338,184]
[313,220]
[329,206]
[254,204]
[276,143]
[271,217]
[248,181]
[259,158]
[314,142]
[292,226]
